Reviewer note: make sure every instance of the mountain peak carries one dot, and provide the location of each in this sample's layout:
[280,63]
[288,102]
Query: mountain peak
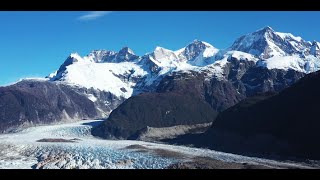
[125,50]
[266,29]
[75,55]
[158,48]
[125,55]
[102,51]
[161,54]
[266,43]
[100,56]
[196,47]
[196,41]
[196,53]
[71,59]
[161,49]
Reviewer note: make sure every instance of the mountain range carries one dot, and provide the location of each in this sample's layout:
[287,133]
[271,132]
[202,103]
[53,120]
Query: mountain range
[140,95]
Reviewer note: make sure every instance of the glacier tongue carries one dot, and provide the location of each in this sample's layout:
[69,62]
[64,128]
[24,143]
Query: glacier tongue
[71,146]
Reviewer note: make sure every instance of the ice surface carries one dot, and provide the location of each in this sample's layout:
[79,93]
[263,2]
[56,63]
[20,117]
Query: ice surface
[21,150]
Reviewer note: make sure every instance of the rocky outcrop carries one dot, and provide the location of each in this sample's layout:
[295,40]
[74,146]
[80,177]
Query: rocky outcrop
[157,134]
[104,101]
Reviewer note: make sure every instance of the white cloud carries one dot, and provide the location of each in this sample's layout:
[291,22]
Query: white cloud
[93,15]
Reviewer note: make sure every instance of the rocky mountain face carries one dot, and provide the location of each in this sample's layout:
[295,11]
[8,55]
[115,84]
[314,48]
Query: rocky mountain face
[154,110]
[258,62]
[31,102]
[193,90]
[282,125]
[315,49]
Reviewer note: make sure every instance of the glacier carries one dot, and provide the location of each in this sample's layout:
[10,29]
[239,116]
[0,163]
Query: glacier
[21,150]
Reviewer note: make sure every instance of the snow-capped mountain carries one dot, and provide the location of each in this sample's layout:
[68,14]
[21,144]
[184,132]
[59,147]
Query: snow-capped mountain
[125,74]
[198,53]
[279,50]
[261,61]
[266,43]
[125,55]
[160,59]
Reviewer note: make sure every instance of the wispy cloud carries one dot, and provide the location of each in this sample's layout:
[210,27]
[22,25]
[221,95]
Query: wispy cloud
[93,15]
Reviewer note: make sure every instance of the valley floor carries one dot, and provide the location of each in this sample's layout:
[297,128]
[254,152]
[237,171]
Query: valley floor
[70,146]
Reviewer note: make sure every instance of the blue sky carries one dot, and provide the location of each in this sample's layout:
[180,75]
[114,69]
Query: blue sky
[34,44]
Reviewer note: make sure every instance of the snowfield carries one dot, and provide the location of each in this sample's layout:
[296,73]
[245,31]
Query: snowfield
[23,151]
[104,76]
